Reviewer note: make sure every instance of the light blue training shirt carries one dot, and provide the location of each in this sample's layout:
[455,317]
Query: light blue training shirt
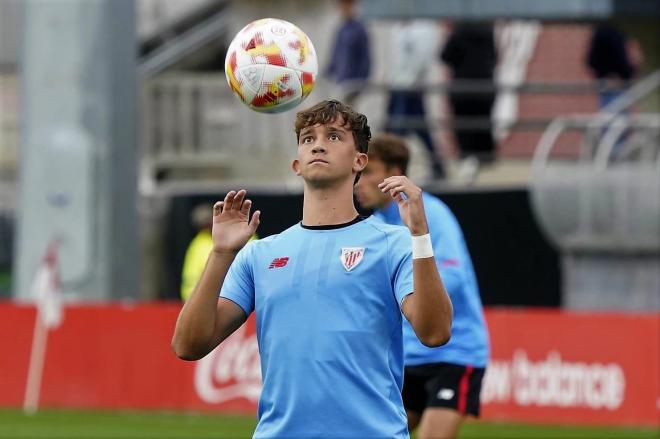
[329,327]
[469,343]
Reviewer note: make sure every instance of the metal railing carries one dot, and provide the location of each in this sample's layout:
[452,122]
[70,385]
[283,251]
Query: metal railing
[187,43]
[600,130]
[607,198]
[194,122]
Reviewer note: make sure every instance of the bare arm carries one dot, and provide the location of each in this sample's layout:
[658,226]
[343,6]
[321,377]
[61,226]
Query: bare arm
[205,321]
[428,308]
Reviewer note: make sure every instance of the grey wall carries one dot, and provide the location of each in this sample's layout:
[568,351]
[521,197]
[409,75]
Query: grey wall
[9,28]
[78,147]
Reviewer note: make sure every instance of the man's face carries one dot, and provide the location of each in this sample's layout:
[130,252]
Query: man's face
[347,8]
[327,154]
[367,191]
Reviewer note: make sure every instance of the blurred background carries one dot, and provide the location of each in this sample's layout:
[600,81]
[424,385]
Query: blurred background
[539,126]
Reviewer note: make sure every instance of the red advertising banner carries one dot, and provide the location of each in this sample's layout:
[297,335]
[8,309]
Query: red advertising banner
[569,367]
[547,366]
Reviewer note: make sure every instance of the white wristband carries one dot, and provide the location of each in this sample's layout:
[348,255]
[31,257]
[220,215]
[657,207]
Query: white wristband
[422,246]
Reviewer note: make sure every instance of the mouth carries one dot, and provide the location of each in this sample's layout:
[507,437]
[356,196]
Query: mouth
[315,161]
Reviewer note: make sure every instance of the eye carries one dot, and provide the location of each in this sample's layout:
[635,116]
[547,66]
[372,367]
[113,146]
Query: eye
[307,139]
[334,136]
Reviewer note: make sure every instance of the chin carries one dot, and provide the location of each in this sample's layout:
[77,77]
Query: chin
[320,181]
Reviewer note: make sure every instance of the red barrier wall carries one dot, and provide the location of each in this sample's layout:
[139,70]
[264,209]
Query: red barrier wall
[584,368]
[548,366]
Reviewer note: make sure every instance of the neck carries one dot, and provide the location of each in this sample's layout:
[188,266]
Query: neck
[328,205]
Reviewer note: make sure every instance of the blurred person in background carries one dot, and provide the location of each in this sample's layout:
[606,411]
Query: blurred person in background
[198,249]
[329,292]
[613,59]
[471,55]
[350,64]
[414,46]
[441,385]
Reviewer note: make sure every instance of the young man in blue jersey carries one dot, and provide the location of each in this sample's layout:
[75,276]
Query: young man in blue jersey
[441,385]
[328,293]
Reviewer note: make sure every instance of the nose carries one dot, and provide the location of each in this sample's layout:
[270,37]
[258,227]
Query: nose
[318,148]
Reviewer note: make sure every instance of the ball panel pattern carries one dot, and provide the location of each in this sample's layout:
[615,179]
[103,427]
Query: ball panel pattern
[271,65]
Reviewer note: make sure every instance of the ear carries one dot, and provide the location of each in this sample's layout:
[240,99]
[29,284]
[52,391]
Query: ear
[295,167]
[361,160]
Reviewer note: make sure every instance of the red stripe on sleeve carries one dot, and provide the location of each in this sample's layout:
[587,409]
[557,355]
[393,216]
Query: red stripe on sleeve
[450,263]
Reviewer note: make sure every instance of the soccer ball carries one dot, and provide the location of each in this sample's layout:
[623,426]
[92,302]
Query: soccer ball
[271,65]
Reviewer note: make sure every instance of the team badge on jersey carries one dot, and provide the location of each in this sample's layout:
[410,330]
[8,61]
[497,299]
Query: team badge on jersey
[351,257]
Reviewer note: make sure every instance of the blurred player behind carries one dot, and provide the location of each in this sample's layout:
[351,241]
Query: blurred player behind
[328,293]
[441,385]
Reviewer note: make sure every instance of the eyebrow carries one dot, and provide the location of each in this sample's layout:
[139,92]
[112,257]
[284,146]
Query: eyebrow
[306,130]
[339,129]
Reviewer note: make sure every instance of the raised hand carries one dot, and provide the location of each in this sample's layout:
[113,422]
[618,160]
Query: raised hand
[409,199]
[232,226]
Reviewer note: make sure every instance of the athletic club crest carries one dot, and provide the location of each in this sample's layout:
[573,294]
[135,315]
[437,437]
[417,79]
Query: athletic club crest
[351,257]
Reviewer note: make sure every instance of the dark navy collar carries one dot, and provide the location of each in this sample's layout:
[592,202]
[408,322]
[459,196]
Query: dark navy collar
[355,220]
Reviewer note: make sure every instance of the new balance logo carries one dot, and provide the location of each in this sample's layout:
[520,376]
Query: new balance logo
[279,262]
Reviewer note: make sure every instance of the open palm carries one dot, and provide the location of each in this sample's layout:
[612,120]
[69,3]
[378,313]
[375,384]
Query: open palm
[232,226]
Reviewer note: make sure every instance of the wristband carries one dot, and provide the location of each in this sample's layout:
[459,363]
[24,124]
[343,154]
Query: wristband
[422,246]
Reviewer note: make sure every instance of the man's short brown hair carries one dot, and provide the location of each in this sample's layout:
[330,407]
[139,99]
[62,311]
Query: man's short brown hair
[391,150]
[326,112]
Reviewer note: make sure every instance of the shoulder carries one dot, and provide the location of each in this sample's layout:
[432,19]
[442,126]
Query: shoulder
[276,238]
[442,222]
[268,243]
[380,226]
[357,26]
[434,201]
[394,243]
[436,208]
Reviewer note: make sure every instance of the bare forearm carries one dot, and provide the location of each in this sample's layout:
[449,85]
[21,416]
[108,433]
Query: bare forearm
[430,308]
[195,327]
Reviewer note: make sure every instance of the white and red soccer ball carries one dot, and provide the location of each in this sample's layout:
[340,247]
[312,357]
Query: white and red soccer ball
[271,65]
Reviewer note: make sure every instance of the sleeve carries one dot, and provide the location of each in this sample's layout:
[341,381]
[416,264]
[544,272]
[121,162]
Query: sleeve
[447,240]
[239,282]
[400,264]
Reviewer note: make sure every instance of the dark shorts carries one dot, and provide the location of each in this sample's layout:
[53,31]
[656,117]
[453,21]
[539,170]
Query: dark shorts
[443,385]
